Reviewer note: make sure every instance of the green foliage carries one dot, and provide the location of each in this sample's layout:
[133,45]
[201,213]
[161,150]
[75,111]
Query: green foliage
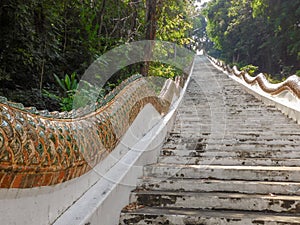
[68,83]
[250,69]
[259,7]
[40,38]
[259,32]
[274,79]
[69,86]
[174,23]
[163,70]
[298,73]
[66,103]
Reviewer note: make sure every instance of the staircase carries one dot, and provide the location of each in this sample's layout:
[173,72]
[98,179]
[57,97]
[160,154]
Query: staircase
[229,159]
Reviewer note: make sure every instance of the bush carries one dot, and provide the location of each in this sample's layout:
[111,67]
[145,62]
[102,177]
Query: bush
[69,86]
[163,70]
[250,69]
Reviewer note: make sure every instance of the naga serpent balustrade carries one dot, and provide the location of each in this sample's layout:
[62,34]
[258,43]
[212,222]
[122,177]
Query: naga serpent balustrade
[38,148]
[291,84]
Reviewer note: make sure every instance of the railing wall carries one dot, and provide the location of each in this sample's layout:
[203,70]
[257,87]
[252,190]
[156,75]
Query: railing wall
[75,168]
[285,95]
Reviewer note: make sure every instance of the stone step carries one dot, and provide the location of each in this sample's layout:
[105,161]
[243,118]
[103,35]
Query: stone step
[233,148]
[233,116]
[200,128]
[232,142]
[238,115]
[235,138]
[221,160]
[244,135]
[257,153]
[258,173]
[217,200]
[242,118]
[154,216]
[211,185]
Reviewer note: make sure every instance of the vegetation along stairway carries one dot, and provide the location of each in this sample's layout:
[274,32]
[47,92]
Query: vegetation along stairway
[229,159]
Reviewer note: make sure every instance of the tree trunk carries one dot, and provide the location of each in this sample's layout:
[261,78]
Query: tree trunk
[101,14]
[151,21]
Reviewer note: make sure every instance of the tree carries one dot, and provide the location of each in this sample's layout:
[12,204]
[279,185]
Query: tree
[40,38]
[284,19]
[256,32]
[175,21]
[151,24]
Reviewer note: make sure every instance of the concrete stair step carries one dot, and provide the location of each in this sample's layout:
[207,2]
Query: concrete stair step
[239,135]
[244,143]
[211,185]
[217,201]
[258,173]
[154,216]
[244,116]
[257,153]
[188,129]
[277,139]
[242,122]
[237,145]
[232,147]
[221,160]
[258,118]
[233,140]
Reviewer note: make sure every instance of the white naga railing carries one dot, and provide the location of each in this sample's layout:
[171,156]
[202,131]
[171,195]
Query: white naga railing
[285,96]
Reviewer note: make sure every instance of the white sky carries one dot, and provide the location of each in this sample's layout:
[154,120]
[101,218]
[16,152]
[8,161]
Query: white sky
[201,2]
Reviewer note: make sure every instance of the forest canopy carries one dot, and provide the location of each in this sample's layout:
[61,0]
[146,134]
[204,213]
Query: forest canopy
[46,45]
[43,41]
[263,33]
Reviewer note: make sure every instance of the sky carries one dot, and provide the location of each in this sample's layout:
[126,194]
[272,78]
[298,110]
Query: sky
[199,3]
